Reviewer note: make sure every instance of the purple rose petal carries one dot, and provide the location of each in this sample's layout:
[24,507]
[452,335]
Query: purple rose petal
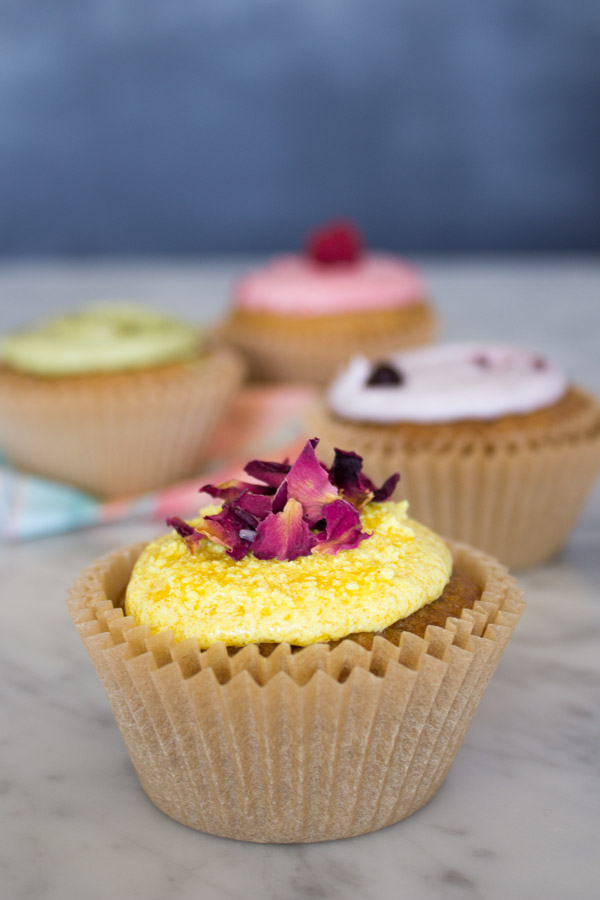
[230,490]
[280,498]
[298,509]
[284,535]
[190,535]
[183,529]
[257,505]
[354,485]
[346,474]
[387,488]
[271,473]
[242,514]
[224,528]
[343,528]
[308,482]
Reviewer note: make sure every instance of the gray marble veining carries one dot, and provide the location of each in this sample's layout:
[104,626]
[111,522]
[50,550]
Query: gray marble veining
[519,814]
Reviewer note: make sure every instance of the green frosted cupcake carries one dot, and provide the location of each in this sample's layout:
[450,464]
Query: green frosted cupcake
[116,398]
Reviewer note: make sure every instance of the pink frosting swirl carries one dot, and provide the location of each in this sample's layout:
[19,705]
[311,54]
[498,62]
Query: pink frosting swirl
[295,285]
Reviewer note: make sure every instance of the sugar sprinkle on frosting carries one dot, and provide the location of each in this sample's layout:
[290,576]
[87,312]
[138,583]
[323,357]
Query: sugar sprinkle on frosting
[211,597]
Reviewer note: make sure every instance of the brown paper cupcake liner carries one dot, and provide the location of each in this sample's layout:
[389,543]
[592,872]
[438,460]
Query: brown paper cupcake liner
[514,499]
[299,746]
[313,348]
[117,434]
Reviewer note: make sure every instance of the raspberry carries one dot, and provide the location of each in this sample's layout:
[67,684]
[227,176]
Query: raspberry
[335,243]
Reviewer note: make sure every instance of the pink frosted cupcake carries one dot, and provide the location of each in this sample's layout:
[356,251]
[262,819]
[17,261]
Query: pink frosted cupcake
[301,316]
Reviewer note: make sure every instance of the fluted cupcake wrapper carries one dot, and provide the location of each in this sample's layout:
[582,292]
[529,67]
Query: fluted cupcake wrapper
[515,501]
[306,745]
[119,434]
[312,349]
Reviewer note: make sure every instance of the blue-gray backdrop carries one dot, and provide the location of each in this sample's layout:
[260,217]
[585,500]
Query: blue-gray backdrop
[135,126]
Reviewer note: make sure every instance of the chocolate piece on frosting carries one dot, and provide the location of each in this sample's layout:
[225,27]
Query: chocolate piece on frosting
[384,374]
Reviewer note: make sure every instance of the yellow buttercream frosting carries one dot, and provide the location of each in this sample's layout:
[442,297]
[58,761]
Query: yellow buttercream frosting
[103,337]
[316,598]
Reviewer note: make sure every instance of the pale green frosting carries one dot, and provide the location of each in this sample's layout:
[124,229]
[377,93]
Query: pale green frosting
[104,337]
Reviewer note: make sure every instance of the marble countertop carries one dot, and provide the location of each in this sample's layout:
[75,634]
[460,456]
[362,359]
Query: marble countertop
[519,814]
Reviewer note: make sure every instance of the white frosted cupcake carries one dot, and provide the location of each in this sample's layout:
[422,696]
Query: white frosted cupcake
[495,446]
[115,399]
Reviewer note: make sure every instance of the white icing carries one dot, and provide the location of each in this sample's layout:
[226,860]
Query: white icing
[444,383]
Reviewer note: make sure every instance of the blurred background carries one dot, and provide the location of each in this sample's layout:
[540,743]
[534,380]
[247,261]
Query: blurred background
[143,127]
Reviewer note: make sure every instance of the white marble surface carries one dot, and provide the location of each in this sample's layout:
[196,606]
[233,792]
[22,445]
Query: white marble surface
[519,814]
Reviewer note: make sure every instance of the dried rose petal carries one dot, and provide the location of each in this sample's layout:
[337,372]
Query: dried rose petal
[190,535]
[387,488]
[354,485]
[271,473]
[183,529]
[231,490]
[308,482]
[224,528]
[343,528]
[280,498]
[346,474]
[258,505]
[247,518]
[298,508]
[284,535]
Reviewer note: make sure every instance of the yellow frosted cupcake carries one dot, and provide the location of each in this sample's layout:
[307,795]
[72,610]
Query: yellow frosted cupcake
[115,398]
[301,661]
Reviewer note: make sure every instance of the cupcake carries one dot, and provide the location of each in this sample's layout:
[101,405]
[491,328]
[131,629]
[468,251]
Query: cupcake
[496,448]
[115,399]
[300,317]
[300,662]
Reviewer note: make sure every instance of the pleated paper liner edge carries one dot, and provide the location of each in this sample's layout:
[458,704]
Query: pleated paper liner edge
[298,746]
[515,501]
[151,431]
[312,349]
